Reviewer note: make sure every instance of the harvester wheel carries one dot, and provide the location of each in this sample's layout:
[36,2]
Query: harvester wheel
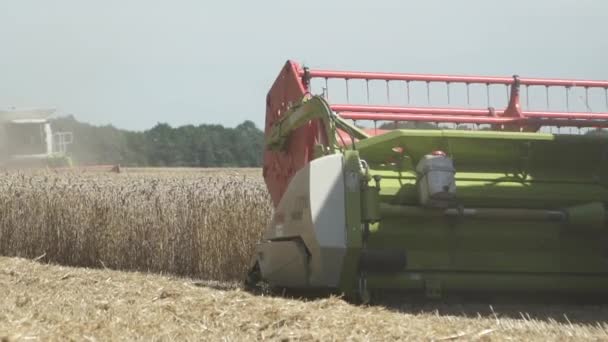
[254,276]
[364,296]
[255,284]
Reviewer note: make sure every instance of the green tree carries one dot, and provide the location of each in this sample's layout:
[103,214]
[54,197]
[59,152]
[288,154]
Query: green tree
[162,145]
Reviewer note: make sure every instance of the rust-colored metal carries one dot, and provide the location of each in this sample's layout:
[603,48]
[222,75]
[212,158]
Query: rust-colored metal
[279,166]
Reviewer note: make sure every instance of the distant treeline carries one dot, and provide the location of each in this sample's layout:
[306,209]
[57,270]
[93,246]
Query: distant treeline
[163,145]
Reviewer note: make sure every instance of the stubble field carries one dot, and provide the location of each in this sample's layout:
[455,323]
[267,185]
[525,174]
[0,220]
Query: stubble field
[159,255]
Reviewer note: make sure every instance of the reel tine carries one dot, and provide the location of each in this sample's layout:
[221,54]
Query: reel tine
[347,96]
[447,85]
[488,94]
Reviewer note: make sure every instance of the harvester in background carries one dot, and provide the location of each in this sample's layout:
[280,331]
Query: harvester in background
[27,139]
[500,192]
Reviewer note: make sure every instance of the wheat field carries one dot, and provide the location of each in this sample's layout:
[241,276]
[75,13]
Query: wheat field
[195,223]
[159,254]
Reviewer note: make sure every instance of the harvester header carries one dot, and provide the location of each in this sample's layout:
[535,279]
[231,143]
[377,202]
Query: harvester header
[504,189]
[295,82]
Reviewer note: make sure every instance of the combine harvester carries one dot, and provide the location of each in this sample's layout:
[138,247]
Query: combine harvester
[514,199]
[27,140]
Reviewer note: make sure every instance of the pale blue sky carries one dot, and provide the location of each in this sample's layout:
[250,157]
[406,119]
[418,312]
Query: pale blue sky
[133,63]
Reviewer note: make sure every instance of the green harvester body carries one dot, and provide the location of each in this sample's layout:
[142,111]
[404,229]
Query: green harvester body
[514,174]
